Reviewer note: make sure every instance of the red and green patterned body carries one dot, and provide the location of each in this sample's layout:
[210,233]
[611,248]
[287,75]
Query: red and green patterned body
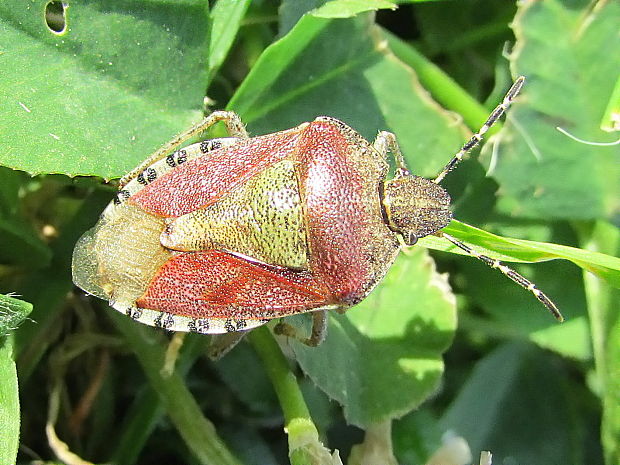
[227,234]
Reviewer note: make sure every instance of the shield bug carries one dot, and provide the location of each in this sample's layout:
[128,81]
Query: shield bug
[224,235]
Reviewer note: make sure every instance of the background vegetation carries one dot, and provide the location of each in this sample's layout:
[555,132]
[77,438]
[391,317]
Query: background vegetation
[91,88]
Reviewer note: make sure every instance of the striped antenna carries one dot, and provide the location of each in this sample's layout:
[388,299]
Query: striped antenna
[510,273]
[477,137]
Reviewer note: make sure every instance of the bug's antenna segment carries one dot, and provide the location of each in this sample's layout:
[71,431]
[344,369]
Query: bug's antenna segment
[510,273]
[477,137]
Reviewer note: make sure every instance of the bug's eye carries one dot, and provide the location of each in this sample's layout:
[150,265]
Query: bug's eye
[410,238]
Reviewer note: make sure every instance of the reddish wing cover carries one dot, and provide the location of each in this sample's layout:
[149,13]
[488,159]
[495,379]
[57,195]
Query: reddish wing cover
[333,192]
[204,180]
[217,284]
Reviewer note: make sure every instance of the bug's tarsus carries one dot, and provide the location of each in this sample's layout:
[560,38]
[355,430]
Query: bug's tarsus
[477,137]
[510,273]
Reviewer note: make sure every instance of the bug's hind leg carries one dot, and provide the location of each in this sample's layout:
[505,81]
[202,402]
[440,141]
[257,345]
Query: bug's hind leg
[232,121]
[317,335]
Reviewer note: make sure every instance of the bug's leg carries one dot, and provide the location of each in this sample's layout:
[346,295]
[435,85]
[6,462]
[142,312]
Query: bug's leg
[508,272]
[386,142]
[477,137]
[221,344]
[231,120]
[319,329]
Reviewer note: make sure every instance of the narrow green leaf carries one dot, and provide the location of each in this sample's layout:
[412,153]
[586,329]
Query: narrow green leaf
[348,8]
[226,19]
[9,403]
[606,267]
[303,75]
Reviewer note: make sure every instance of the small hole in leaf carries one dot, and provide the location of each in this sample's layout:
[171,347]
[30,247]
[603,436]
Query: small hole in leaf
[55,16]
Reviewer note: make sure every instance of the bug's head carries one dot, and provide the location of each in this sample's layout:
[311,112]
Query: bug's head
[415,207]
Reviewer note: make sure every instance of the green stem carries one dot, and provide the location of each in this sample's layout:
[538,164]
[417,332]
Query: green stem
[303,437]
[442,87]
[146,411]
[198,433]
[284,381]
[605,332]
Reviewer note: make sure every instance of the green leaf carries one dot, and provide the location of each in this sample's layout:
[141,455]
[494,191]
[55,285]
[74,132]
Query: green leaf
[611,118]
[12,312]
[96,100]
[542,172]
[303,75]
[21,245]
[514,404]
[443,88]
[383,358]
[510,309]
[508,249]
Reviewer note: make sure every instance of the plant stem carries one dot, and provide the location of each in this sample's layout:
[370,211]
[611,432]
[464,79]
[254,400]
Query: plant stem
[284,381]
[198,433]
[605,332]
[443,88]
[303,437]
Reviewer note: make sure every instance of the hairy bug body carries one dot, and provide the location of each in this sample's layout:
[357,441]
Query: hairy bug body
[227,234]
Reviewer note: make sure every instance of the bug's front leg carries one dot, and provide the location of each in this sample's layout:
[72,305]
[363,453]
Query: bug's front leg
[386,142]
[317,335]
[233,123]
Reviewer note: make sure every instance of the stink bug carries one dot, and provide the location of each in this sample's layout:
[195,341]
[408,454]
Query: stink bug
[227,234]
